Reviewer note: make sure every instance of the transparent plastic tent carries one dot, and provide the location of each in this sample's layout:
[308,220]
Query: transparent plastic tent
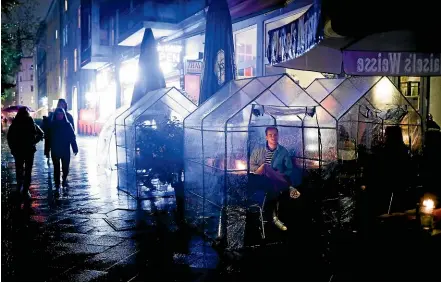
[157,105]
[221,134]
[106,147]
[362,108]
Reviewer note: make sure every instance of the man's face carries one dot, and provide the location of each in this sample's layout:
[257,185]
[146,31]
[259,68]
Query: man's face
[272,136]
[61,104]
[60,116]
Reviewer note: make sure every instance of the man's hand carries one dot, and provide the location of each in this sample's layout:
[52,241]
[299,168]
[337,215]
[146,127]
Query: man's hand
[294,193]
[260,170]
[75,153]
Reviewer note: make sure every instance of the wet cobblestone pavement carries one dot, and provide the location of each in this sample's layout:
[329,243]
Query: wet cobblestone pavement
[90,232]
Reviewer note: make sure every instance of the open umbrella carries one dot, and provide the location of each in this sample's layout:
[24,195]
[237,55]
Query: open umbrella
[15,108]
[150,74]
[219,50]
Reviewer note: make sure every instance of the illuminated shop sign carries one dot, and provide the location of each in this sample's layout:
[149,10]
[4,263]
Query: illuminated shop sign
[392,63]
[194,67]
[169,57]
[170,53]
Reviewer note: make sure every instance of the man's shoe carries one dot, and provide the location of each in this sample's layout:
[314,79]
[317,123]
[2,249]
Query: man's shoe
[27,195]
[57,191]
[65,184]
[293,193]
[279,224]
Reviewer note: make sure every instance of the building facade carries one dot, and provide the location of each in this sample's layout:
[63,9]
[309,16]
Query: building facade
[40,69]
[25,92]
[92,48]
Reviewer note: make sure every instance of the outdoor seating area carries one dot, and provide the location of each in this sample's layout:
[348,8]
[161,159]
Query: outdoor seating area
[322,126]
[164,140]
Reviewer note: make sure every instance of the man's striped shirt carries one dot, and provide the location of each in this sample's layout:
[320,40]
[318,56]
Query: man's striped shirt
[269,155]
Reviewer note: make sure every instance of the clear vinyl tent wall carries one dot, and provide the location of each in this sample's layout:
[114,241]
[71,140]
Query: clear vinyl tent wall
[152,108]
[221,134]
[106,149]
[363,107]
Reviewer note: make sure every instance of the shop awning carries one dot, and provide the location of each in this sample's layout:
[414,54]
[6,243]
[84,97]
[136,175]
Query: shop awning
[305,45]
[245,8]
[390,53]
[310,43]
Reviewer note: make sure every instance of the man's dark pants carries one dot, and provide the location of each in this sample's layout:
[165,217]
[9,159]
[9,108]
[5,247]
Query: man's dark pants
[65,161]
[258,187]
[23,167]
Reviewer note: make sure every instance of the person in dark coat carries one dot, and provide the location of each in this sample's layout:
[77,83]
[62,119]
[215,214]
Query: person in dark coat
[63,104]
[390,172]
[60,137]
[22,137]
[432,156]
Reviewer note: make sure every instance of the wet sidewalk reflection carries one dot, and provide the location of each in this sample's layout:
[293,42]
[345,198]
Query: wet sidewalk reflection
[90,232]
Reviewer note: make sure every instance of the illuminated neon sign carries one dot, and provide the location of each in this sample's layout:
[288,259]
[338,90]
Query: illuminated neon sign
[170,54]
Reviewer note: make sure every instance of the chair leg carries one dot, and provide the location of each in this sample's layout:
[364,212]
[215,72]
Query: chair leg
[262,223]
[390,203]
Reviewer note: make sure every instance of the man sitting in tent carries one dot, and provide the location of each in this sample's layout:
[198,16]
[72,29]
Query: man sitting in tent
[273,172]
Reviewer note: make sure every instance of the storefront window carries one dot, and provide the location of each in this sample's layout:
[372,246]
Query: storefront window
[128,74]
[170,57]
[245,46]
[410,87]
[105,96]
[193,63]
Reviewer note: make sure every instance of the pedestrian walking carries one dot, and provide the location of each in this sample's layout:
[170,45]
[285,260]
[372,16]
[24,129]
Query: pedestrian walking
[23,135]
[60,137]
[63,104]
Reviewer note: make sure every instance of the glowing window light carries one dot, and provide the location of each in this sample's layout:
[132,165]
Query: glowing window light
[44,101]
[128,73]
[90,98]
[102,79]
[383,92]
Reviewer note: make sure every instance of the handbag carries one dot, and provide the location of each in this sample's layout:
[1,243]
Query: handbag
[39,134]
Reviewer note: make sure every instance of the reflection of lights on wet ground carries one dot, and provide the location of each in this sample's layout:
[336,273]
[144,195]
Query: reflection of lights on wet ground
[100,182]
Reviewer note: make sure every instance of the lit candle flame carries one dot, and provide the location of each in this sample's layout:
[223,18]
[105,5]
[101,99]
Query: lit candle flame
[241,165]
[428,205]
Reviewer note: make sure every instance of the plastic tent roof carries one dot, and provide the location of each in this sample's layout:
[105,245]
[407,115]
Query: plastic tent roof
[170,98]
[376,92]
[237,96]
[320,88]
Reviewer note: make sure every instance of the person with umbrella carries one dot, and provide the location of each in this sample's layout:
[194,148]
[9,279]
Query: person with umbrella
[60,137]
[22,137]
